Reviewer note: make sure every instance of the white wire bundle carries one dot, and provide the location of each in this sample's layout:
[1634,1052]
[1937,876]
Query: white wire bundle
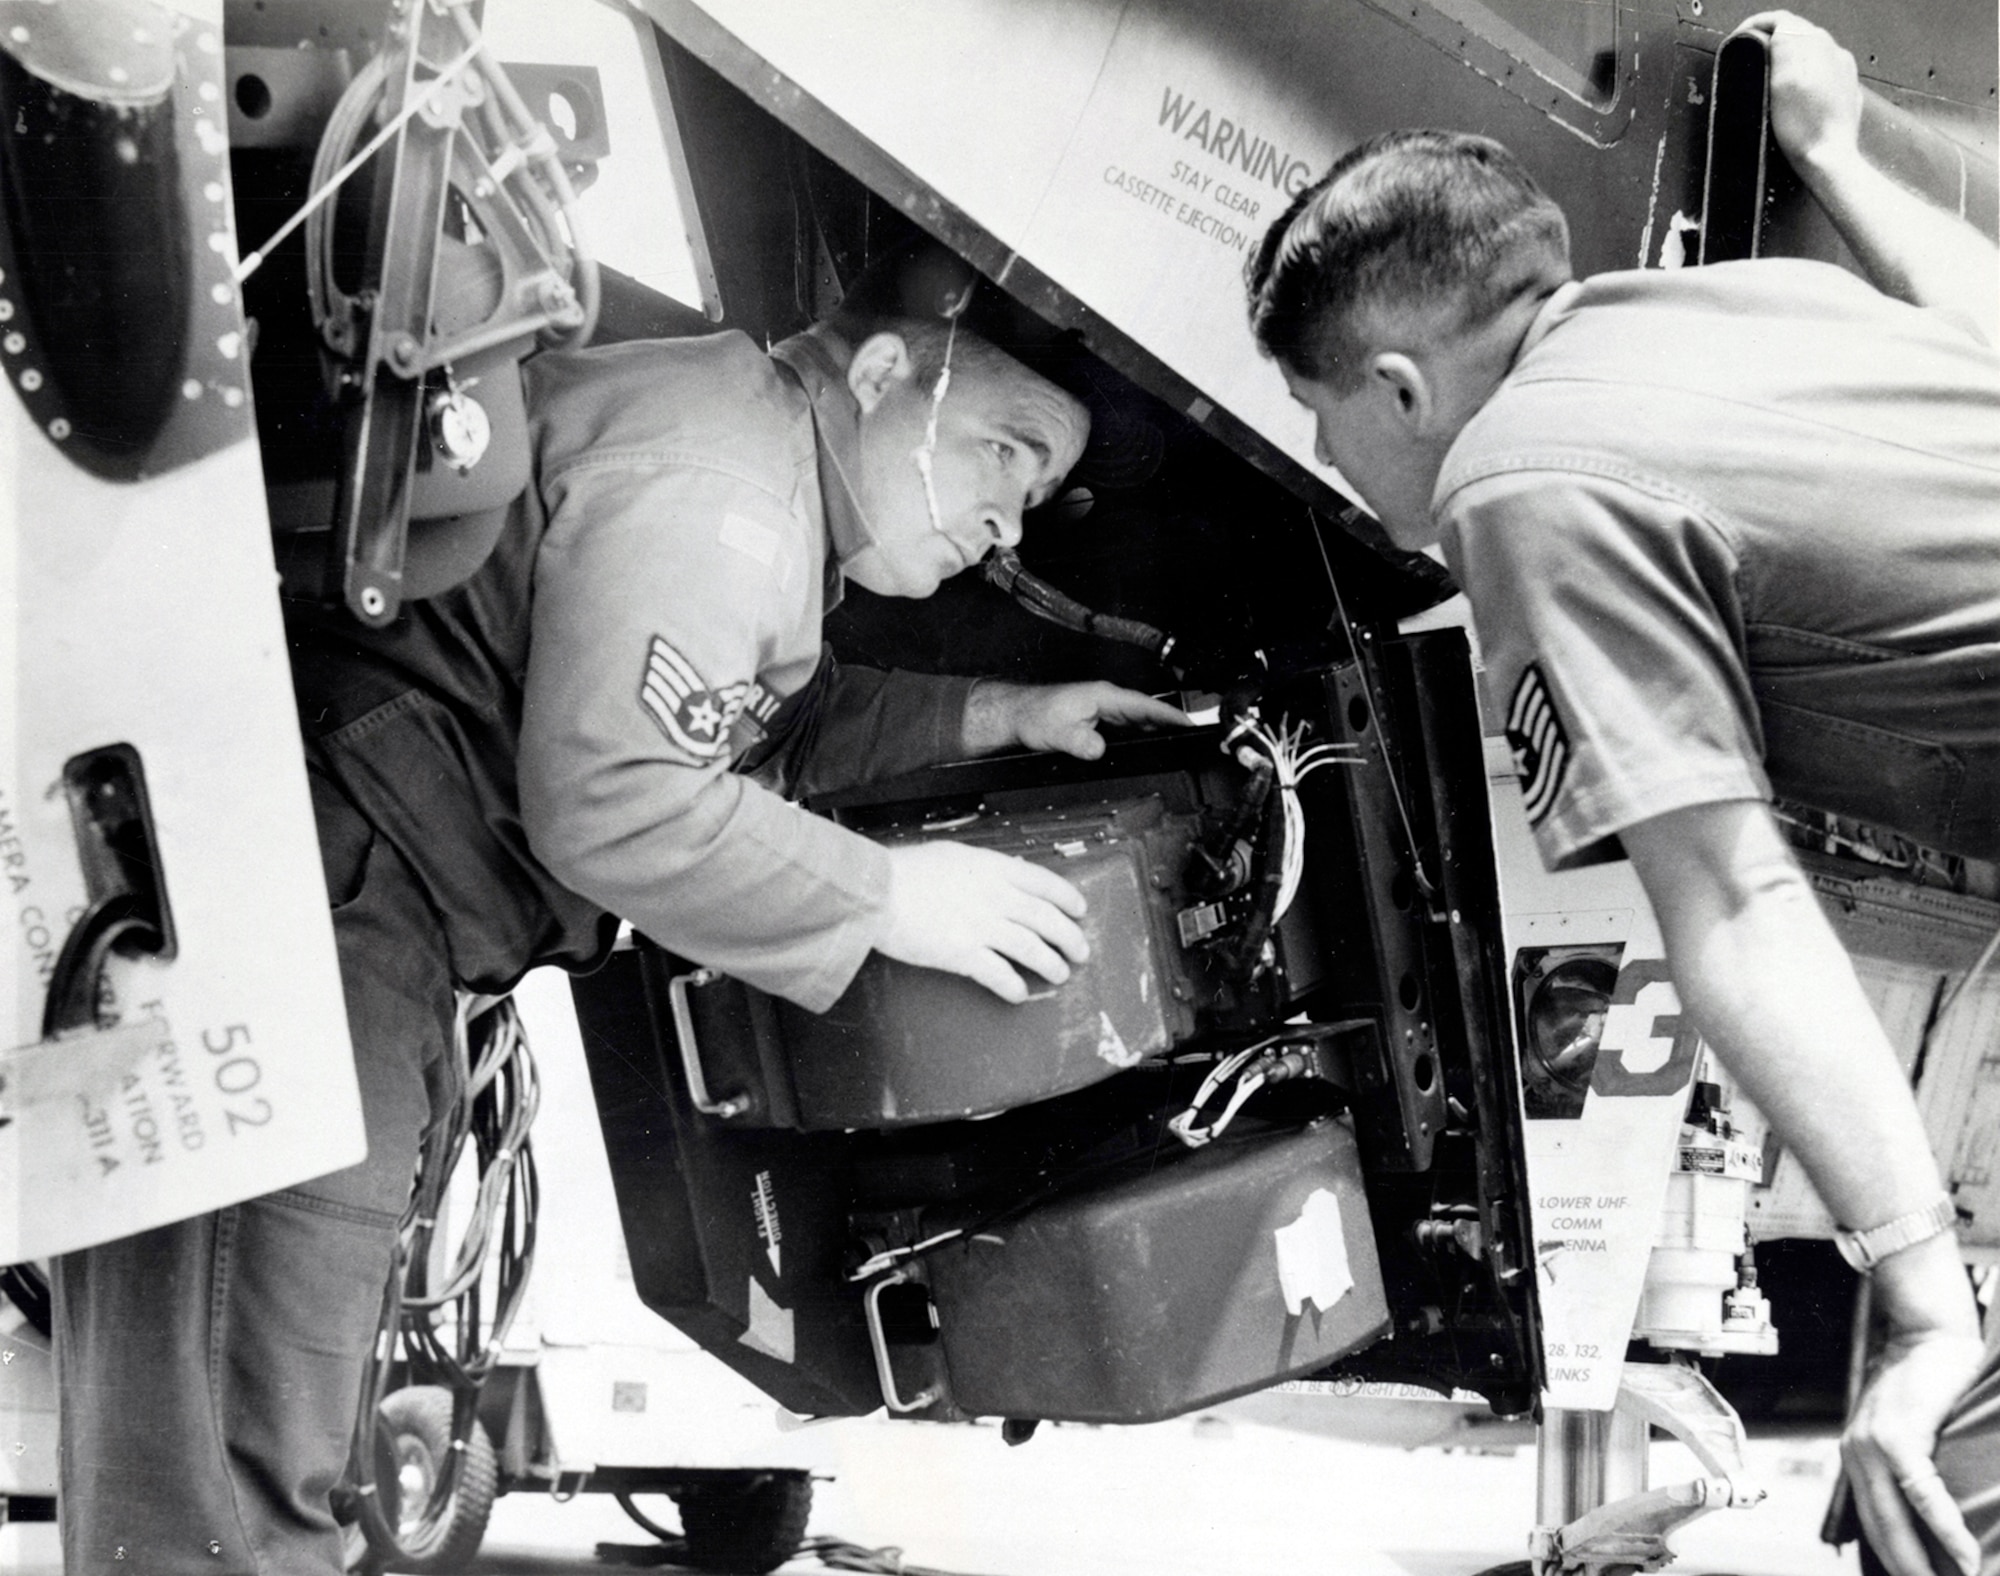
[1293,761]
[505,1050]
[1185,1128]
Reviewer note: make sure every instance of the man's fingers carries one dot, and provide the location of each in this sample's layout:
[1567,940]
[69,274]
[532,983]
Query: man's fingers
[1768,22]
[1045,884]
[1056,929]
[1772,23]
[986,967]
[1891,1437]
[1927,1495]
[1080,739]
[972,910]
[1892,1498]
[1030,951]
[1885,1517]
[1143,710]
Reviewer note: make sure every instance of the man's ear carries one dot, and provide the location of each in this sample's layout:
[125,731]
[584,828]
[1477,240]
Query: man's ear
[1398,379]
[881,363]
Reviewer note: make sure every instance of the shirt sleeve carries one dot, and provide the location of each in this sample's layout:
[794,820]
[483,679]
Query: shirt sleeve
[856,725]
[1611,631]
[649,632]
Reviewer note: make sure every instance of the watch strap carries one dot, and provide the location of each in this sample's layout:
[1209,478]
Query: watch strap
[1866,1249]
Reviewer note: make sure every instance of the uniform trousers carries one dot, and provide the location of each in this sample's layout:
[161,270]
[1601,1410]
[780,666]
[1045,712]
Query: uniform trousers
[210,1370]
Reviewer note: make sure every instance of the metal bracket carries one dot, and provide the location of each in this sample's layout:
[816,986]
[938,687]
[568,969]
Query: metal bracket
[697,1081]
[885,1373]
[1632,1531]
[1679,1398]
[568,1483]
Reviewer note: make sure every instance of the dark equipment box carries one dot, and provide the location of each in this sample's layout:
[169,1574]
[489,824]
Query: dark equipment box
[1169,1287]
[905,1045]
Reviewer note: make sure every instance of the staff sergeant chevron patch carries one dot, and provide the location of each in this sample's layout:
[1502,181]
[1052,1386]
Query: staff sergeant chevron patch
[694,717]
[1539,742]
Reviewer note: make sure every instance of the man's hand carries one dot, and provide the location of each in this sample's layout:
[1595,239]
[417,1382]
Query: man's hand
[979,913]
[1888,1444]
[1763,977]
[1815,90]
[1908,247]
[1058,717]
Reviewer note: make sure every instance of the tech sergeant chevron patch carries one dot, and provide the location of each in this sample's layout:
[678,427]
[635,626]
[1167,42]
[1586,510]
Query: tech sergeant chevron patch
[1539,741]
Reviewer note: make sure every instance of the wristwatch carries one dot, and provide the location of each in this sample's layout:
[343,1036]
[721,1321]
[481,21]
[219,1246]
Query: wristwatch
[1866,1249]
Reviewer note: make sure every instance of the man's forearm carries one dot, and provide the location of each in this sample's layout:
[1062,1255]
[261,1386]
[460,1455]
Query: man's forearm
[1771,989]
[1909,248]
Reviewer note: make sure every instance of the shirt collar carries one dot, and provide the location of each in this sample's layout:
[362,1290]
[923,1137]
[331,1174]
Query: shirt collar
[837,433]
[1553,311]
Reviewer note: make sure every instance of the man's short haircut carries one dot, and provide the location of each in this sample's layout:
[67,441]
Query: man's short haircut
[915,292]
[1409,219]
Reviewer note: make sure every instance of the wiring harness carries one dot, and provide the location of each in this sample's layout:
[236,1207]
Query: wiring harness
[1275,1060]
[1292,761]
[452,1332]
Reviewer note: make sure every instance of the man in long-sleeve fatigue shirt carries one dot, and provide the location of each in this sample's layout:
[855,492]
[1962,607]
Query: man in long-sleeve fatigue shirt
[601,722]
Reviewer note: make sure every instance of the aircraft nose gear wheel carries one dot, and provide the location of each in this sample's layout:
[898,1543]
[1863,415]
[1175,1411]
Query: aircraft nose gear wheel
[413,1442]
[751,1526]
[741,1522]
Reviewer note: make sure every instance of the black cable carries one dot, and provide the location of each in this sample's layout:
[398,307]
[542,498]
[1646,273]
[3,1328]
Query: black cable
[1037,596]
[111,924]
[28,1289]
[1242,958]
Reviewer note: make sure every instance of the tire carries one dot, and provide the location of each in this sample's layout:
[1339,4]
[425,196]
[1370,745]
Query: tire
[413,1443]
[746,1525]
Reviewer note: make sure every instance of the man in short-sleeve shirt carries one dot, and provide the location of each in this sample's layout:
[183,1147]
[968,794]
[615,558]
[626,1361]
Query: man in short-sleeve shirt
[1724,532]
[1734,530]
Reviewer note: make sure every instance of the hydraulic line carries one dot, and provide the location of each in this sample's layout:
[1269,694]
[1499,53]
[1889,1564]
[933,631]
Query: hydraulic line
[1004,570]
